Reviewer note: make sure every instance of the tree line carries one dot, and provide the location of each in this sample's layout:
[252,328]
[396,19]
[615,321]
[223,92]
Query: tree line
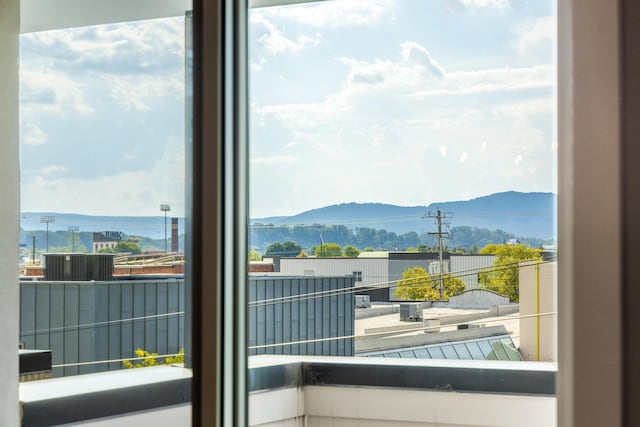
[463,238]
[79,242]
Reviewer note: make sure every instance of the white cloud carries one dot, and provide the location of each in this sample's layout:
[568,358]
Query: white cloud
[335,14]
[133,92]
[140,60]
[415,54]
[415,68]
[464,157]
[52,169]
[257,65]
[482,4]
[274,40]
[32,135]
[273,160]
[137,47]
[51,91]
[138,191]
[530,107]
[518,159]
[493,80]
[535,39]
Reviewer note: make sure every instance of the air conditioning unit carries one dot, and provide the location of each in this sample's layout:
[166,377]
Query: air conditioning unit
[411,311]
[363,301]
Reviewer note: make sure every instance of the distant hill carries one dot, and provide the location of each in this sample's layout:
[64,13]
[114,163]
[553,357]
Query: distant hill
[522,214]
[144,226]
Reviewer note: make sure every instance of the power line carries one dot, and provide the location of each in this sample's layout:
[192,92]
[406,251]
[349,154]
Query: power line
[417,329]
[99,324]
[99,362]
[439,217]
[383,285]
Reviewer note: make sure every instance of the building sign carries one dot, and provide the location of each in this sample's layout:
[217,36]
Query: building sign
[113,236]
[107,236]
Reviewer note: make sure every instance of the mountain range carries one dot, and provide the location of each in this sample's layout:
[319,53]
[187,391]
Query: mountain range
[522,214]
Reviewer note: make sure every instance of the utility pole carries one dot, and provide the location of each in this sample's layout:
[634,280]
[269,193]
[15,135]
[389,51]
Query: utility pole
[439,217]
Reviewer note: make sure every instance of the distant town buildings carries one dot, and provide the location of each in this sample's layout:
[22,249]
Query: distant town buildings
[106,240]
[379,274]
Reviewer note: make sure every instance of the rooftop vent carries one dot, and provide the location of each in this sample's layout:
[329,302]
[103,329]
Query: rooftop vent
[78,267]
[363,301]
[411,311]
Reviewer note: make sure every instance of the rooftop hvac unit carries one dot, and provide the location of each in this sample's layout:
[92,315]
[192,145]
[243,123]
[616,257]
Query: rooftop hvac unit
[411,311]
[363,301]
[78,267]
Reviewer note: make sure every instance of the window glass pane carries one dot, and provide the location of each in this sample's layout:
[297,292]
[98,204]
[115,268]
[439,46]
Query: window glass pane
[412,147]
[103,194]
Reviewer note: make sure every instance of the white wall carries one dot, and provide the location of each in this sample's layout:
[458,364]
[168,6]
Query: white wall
[9,208]
[173,416]
[361,406]
[277,408]
[538,333]
[374,270]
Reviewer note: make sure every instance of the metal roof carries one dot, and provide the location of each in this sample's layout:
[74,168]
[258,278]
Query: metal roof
[491,348]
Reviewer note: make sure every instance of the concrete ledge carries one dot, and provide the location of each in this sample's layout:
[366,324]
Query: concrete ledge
[93,396]
[441,375]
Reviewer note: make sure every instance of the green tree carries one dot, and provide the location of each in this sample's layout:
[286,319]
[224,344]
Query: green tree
[145,359]
[328,250]
[254,256]
[351,251]
[274,248]
[452,286]
[291,249]
[286,249]
[422,248]
[128,247]
[503,277]
[418,284]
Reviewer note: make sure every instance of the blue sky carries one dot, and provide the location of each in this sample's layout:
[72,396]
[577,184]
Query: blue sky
[397,101]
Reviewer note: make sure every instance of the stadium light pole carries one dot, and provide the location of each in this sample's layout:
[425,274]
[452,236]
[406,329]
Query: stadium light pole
[165,209]
[47,219]
[72,229]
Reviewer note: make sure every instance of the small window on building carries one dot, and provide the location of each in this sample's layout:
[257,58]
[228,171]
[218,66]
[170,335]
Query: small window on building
[357,275]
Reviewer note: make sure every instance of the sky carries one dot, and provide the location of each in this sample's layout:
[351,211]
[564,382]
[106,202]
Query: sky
[407,102]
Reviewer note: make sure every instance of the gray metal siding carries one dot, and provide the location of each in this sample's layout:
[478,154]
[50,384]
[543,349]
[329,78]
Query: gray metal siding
[92,321]
[308,317]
